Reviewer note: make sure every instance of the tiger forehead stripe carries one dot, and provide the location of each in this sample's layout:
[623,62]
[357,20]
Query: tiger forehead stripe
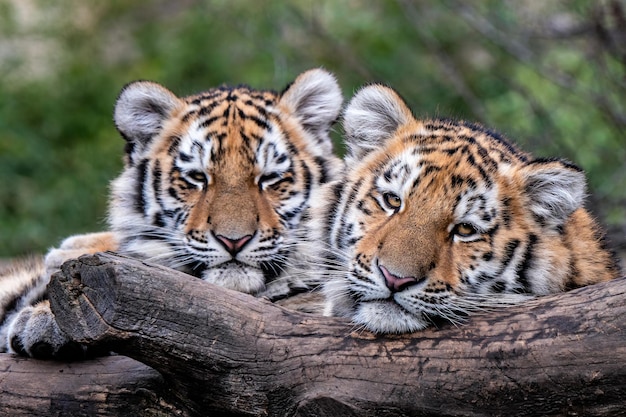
[250,135]
[207,102]
[465,155]
[444,131]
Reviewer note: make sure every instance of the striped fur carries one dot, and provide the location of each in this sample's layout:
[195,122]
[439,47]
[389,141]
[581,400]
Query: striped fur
[215,185]
[439,218]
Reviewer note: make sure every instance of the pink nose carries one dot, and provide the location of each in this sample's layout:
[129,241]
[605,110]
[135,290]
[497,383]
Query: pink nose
[233,246]
[396,283]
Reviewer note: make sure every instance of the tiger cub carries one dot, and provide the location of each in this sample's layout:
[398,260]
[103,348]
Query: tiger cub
[438,218]
[215,185]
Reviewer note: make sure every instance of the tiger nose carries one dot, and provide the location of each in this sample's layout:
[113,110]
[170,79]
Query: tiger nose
[394,282]
[233,246]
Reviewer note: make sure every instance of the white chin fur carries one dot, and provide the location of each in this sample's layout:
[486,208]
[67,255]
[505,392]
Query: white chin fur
[236,277]
[387,317]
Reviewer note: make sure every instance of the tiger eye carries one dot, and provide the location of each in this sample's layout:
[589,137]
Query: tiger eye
[197,176]
[392,201]
[465,229]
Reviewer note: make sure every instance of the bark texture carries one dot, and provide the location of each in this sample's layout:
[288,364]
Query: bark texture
[219,352]
[108,386]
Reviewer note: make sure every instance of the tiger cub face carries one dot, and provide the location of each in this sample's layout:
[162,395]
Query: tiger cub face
[438,218]
[216,184]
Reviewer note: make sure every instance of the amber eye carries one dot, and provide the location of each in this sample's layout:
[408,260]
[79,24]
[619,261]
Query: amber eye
[197,176]
[392,201]
[464,230]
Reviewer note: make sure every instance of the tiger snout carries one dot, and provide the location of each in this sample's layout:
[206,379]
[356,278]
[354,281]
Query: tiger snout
[396,283]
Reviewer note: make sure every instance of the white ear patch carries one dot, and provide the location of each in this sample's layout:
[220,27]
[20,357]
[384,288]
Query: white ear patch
[315,98]
[140,110]
[371,117]
[555,189]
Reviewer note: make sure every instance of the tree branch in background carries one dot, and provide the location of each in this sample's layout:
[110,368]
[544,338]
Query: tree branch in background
[526,56]
[444,61]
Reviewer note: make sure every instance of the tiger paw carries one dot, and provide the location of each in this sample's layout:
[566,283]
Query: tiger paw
[75,246]
[34,332]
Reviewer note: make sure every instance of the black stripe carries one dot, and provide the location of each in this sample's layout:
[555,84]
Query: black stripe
[226,113]
[288,215]
[333,212]
[15,303]
[159,220]
[491,232]
[173,149]
[497,287]
[189,115]
[361,206]
[452,151]
[321,163]
[343,216]
[245,139]
[172,192]
[260,122]
[157,174]
[307,180]
[430,169]
[10,307]
[140,200]
[209,121]
[493,135]
[457,181]
[207,108]
[509,251]
[208,96]
[347,238]
[156,178]
[523,268]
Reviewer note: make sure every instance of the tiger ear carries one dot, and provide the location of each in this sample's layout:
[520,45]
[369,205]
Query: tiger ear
[371,117]
[141,108]
[555,189]
[315,98]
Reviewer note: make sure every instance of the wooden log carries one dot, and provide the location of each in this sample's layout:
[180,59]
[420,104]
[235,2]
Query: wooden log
[225,353]
[108,386]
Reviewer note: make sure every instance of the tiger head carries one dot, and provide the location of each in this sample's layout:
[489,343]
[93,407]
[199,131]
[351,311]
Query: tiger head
[438,218]
[216,184]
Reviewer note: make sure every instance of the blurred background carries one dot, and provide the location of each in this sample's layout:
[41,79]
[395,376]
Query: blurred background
[549,74]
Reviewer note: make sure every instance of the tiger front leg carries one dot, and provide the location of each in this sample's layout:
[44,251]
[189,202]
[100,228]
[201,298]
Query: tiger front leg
[27,325]
[75,246]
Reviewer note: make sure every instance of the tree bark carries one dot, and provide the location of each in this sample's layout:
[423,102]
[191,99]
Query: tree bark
[108,386]
[220,352]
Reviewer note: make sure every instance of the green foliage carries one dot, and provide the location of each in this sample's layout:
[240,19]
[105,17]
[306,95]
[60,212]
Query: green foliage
[64,62]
